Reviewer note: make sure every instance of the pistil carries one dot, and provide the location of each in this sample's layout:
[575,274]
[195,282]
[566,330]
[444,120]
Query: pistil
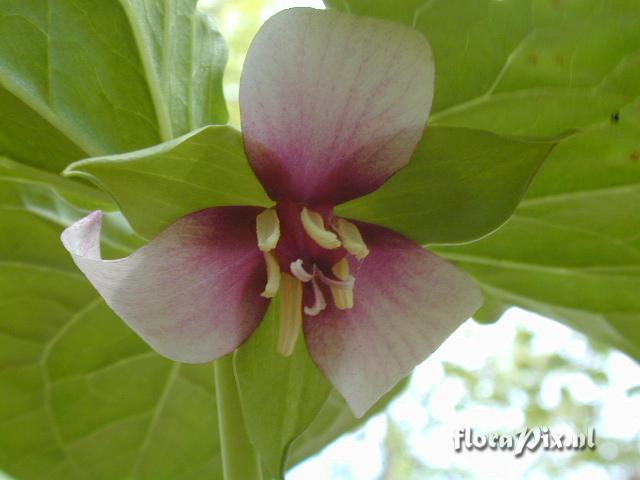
[319,303]
[298,271]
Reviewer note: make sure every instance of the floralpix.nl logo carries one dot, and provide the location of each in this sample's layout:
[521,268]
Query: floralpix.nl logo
[525,439]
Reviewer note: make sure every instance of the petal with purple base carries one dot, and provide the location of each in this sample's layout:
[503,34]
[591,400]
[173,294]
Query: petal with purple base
[407,302]
[333,104]
[193,292]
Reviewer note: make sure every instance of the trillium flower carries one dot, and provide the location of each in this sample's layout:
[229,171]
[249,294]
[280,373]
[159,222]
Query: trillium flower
[331,106]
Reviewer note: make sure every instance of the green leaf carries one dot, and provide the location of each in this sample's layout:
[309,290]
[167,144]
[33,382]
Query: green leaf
[184,55]
[82,396]
[61,202]
[77,193]
[572,249]
[470,180]
[526,67]
[492,309]
[280,396]
[158,185]
[84,78]
[334,419]
[291,409]
[460,185]
[544,67]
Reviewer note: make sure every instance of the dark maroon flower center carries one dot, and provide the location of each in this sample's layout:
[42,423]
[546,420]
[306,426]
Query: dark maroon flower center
[296,244]
[308,252]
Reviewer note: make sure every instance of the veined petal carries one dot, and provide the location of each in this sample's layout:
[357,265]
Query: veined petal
[193,292]
[333,104]
[407,302]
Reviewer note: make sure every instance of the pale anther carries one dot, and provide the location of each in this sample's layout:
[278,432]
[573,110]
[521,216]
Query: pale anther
[268,229]
[314,226]
[273,276]
[341,269]
[342,293]
[351,239]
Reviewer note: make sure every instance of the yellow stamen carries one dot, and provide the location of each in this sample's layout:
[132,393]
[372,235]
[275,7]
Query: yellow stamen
[290,313]
[268,229]
[314,226]
[351,239]
[273,276]
[342,296]
[341,269]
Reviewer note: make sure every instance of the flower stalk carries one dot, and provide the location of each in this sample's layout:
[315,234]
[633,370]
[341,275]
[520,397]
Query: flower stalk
[240,460]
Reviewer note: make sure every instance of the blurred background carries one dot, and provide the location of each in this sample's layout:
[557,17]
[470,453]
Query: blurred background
[522,371]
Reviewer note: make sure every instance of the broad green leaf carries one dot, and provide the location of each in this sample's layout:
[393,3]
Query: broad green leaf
[545,67]
[61,202]
[470,182]
[77,193]
[572,249]
[471,39]
[334,419]
[524,67]
[82,78]
[280,396]
[82,396]
[184,55]
[491,310]
[158,185]
[460,185]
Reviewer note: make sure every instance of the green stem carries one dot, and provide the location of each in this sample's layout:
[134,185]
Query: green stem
[239,458]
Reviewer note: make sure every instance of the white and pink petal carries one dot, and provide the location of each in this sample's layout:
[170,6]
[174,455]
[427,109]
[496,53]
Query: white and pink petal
[193,292]
[407,302]
[333,104]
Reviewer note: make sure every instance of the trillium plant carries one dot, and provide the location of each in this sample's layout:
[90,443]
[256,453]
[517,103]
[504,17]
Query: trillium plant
[332,105]
[226,302]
